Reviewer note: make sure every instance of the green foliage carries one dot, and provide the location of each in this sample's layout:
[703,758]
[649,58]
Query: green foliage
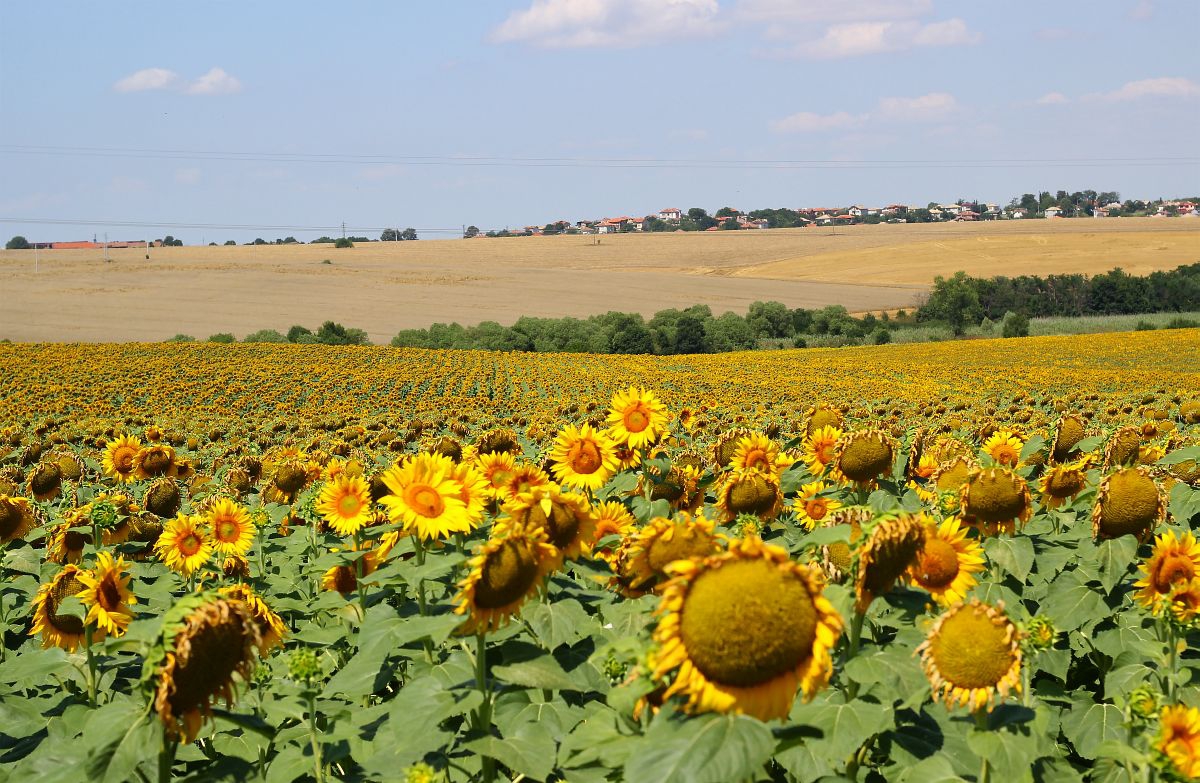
[342,242]
[181,338]
[17,243]
[1015,325]
[296,332]
[222,337]
[265,336]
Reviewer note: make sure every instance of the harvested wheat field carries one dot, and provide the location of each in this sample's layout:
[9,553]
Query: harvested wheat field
[383,287]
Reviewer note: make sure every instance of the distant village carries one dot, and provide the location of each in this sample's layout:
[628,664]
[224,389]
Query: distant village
[1063,205]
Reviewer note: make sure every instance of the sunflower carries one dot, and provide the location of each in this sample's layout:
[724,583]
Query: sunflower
[1129,502]
[17,517]
[271,628]
[498,468]
[1004,447]
[69,537]
[503,574]
[972,656]
[154,461]
[205,642]
[45,481]
[994,499]
[862,457]
[743,630]
[758,452]
[568,519]
[107,595]
[636,417]
[345,504]
[163,498]
[680,487]
[1173,560]
[1069,431]
[60,630]
[822,416]
[474,493]
[1062,482]
[648,552]
[627,456]
[1185,601]
[726,446]
[811,506]
[749,492]
[231,527]
[947,563]
[1123,448]
[499,441]
[583,458]
[612,519]
[182,545]
[818,448]
[1179,739]
[425,497]
[891,548]
[118,458]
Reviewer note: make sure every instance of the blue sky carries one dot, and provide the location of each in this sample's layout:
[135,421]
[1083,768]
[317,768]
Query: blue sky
[253,94]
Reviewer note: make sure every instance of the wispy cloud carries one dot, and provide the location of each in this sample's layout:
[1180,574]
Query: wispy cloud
[606,23]
[215,82]
[934,107]
[865,38]
[1052,98]
[829,11]
[1178,87]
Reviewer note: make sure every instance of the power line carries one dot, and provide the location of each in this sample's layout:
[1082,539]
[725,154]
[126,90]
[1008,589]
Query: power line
[578,162]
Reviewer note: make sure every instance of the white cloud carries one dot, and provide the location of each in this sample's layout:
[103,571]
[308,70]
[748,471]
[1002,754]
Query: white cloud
[925,108]
[934,107]
[863,38]
[147,79]
[215,82]
[829,10]
[1052,98]
[808,122]
[614,23]
[1165,87]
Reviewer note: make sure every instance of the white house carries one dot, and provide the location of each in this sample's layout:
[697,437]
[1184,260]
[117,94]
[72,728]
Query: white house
[1053,212]
[670,213]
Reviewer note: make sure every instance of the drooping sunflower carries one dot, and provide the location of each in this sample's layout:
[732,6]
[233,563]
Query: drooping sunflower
[107,595]
[583,457]
[118,458]
[818,448]
[947,563]
[812,506]
[1069,430]
[612,519]
[425,497]
[1062,482]
[822,416]
[1123,448]
[680,487]
[1004,447]
[182,544]
[863,456]
[661,542]
[726,444]
[1184,601]
[154,461]
[742,630]
[758,452]
[17,517]
[69,537]
[45,480]
[1129,502]
[972,656]
[993,500]
[206,641]
[749,492]
[163,498]
[271,628]
[1179,739]
[498,441]
[568,519]
[627,456]
[507,570]
[636,417]
[1173,560]
[232,530]
[345,504]
[60,630]
[890,549]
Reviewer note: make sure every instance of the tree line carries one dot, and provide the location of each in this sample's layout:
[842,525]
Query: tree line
[962,300]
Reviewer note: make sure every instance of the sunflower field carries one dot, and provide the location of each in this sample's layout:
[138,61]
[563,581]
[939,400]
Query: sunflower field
[968,561]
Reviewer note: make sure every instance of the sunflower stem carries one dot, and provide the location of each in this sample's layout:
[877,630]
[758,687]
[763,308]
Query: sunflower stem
[358,569]
[166,758]
[91,664]
[856,626]
[318,765]
[419,549]
[1172,660]
[982,724]
[484,715]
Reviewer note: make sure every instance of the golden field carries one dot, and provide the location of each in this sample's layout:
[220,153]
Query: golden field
[384,287]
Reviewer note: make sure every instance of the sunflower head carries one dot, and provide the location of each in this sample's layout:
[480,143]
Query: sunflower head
[583,457]
[504,573]
[230,527]
[1124,448]
[106,594]
[947,563]
[813,504]
[661,542]
[426,497]
[1004,447]
[345,504]
[995,499]
[758,452]
[271,628]
[17,518]
[726,446]
[972,656]
[1062,482]
[163,497]
[154,461]
[1173,560]
[118,458]
[1129,503]
[863,456]
[183,544]
[56,628]
[612,519]
[45,480]
[750,492]
[499,441]
[206,642]
[822,416]
[1069,431]
[567,518]
[743,630]
[1179,739]
[637,417]
[890,549]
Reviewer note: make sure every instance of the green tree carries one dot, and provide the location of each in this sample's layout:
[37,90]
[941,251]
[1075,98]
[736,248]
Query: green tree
[955,301]
[222,337]
[389,235]
[628,334]
[689,335]
[770,319]
[265,336]
[408,234]
[730,332]
[1015,325]
[340,242]
[471,232]
[230,242]
[296,332]
[17,243]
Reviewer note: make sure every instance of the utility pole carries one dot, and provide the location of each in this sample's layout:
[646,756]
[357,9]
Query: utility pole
[106,258]
[343,229]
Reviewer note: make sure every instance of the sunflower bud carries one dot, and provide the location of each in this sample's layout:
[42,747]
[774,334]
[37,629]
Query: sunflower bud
[1040,633]
[304,667]
[1143,702]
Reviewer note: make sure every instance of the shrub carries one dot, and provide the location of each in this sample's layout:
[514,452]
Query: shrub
[222,337]
[326,261]
[182,338]
[1144,326]
[296,332]
[799,342]
[1180,322]
[265,336]
[881,337]
[1015,325]
[342,242]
